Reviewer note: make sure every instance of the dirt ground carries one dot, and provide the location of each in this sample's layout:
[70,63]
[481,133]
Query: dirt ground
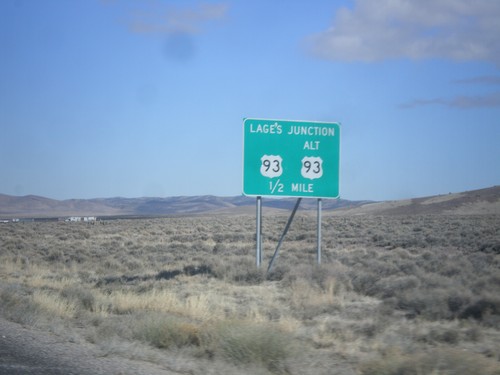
[32,352]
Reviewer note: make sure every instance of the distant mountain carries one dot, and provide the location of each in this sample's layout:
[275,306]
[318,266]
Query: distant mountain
[35,206]
[484,201]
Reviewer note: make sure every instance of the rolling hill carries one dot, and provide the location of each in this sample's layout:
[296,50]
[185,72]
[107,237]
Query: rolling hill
[474,202]
[35,206]
[483,201]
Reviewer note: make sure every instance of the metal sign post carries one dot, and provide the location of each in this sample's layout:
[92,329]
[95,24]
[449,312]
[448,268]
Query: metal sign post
[318,254]
[258,236]
[275,255]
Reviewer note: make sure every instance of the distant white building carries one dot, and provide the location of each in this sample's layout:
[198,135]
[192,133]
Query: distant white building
[81,218]
[9,220]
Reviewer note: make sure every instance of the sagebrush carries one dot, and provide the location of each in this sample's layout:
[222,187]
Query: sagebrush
[189,286]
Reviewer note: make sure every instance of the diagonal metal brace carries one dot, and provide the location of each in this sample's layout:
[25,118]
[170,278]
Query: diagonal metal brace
[275,255]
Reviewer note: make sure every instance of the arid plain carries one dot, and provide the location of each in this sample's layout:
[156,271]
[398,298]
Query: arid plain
[398,292]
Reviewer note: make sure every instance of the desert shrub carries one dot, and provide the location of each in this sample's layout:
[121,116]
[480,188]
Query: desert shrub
[278,272]
[165,331]
[52,305]
[481,261]
[363,282]
[84,298]
[105,330]
[245,343]
[202,246]
[486,309]
[322,276]
[55,256]
[490,246]
[81,234]
[439,333]
[457,301]
[393,285]
[438,361]
[436,299]
[429,303]
[249,275]
[11,297]
[17,305]
[310,298]
[167,274]
[21,260]
[408,267]
[202,269]
[239,270]
[448,336]
[473,334]
[133,264]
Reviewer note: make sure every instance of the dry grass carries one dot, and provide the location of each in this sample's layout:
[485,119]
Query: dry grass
[427,285]
[440,361]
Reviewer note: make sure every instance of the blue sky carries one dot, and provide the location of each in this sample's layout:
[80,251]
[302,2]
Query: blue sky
[147,98]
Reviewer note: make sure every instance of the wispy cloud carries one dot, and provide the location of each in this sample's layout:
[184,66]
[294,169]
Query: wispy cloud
[462,102]
[388,29]
[483,80]
[178,25]
[159,18]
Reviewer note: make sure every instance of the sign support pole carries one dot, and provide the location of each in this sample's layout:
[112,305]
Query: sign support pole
[283,235]
[258,236]
[318,254]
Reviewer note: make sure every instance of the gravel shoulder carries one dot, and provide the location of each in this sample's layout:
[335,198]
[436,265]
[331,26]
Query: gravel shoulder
[29,351]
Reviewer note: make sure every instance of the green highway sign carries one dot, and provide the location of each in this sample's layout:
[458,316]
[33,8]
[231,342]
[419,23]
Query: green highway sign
[291,158]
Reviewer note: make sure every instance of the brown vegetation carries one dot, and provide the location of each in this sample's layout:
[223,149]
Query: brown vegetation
[394,295]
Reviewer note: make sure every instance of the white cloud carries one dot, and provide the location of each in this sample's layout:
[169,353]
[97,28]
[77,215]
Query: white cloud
[388,29]
[164,19]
